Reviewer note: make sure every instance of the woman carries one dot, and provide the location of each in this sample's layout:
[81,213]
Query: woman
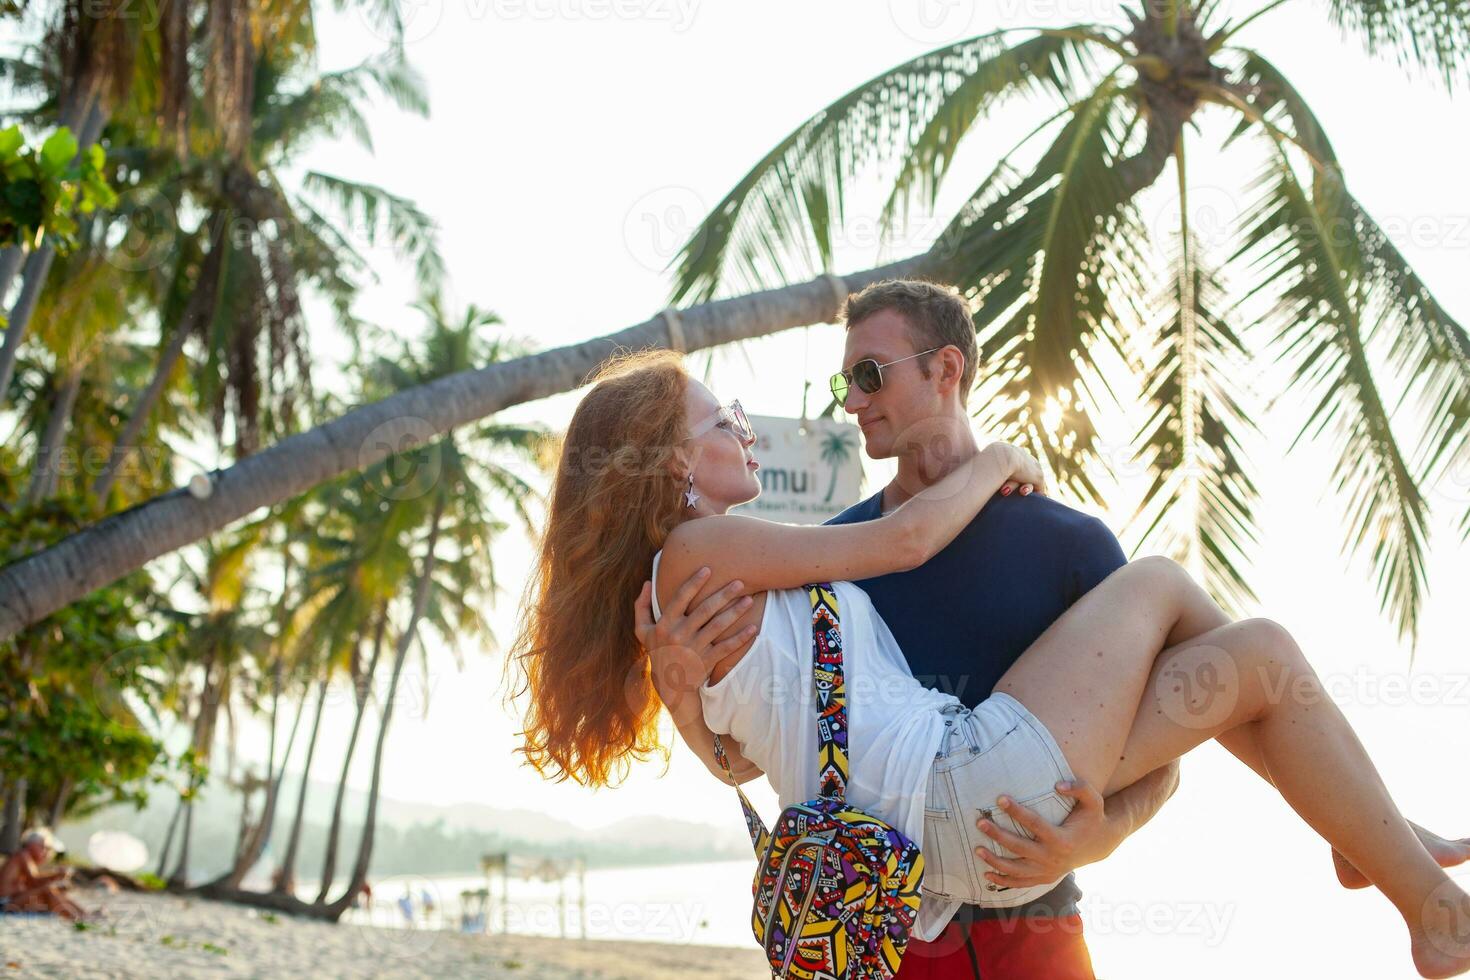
[651,464]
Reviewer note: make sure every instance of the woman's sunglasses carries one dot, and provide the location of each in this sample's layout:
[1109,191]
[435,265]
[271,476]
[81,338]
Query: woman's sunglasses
[867,374]
[732,417]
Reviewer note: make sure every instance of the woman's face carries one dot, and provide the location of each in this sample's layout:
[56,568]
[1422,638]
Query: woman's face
[724,469]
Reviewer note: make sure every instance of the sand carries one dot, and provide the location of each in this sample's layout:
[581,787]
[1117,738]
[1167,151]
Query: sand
[169,936]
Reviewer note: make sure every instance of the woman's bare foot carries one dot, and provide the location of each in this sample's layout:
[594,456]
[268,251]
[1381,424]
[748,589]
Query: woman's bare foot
[1448,853]
[1441,938]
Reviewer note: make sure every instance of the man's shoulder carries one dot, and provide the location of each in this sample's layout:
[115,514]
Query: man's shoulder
[1043,512]
[868,509]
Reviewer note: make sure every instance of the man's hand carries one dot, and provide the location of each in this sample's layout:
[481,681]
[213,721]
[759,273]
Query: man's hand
[1085,837]
[684,645]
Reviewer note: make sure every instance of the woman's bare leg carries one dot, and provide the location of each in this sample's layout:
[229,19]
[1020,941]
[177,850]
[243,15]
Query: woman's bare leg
[1121,701]
[1447,853]
[1200,614]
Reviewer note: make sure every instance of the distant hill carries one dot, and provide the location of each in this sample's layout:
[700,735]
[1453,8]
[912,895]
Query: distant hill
[416,837]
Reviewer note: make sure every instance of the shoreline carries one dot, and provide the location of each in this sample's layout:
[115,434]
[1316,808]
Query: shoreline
[159,934]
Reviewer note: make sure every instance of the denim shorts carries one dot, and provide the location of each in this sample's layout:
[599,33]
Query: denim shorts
[998,748]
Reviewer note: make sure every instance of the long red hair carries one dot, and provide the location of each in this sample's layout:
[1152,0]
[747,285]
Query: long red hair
[614,500]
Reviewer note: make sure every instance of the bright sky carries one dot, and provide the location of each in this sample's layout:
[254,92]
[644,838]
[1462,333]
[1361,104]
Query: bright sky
[573,144]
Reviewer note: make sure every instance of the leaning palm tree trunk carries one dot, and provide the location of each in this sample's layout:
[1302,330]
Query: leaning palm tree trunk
[36,586]
[422,588]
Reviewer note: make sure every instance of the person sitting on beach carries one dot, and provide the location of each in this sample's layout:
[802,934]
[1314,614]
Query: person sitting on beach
[649,468]
[24,887]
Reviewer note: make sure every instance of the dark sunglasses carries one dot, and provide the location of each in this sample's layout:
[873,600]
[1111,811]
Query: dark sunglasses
[867,374]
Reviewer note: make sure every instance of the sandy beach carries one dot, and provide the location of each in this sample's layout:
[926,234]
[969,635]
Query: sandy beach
[159,935]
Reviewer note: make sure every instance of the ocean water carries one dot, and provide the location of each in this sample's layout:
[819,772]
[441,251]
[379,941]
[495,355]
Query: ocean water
[705,903]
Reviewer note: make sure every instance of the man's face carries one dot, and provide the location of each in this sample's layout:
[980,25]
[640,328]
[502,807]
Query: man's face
[896,412]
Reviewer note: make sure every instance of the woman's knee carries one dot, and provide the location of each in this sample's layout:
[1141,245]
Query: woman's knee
[1157,570]
[1272,664]
[1159,577]
[1273,643]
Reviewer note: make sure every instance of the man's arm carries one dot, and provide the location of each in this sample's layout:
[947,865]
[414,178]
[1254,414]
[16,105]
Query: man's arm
[1096,825]
[683,647]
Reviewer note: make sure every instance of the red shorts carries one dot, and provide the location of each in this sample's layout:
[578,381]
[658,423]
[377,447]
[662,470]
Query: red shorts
[1026,948]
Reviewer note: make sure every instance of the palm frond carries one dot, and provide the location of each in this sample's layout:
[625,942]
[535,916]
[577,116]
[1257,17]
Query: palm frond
[1313,274]
[1051,62]
[1272,99]
[767,228]
[1053,261]
[1433,35]
[330,105]
[374,209]
[1211,476]
[1426,347]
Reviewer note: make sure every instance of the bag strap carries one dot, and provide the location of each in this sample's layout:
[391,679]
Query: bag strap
[831,691]
[831,694]
[759,835]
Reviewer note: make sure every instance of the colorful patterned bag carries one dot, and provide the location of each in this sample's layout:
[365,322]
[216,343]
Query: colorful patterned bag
[836,889]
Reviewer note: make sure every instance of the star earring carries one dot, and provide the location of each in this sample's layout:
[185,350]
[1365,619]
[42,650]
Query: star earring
[690,497]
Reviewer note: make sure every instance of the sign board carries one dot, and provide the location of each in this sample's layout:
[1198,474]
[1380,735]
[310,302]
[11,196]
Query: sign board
[810,469]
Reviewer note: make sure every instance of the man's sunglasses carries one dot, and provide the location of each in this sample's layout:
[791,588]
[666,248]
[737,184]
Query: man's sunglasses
[867,374]
[732,417]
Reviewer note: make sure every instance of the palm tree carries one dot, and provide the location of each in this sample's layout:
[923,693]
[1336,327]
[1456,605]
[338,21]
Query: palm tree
[837,447]
[1018,248]
[1053,256]
[39,584]
[227,629]
[241,300]
[97,59]
[458,479]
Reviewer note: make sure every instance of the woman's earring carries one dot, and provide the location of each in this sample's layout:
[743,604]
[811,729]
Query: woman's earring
[690,497]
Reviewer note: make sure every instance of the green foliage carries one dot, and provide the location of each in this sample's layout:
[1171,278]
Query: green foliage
[70,686]
[42,189]
[1063,277]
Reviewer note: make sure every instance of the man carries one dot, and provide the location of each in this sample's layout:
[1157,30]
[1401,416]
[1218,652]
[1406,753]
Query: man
[25,888]
[965,616]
